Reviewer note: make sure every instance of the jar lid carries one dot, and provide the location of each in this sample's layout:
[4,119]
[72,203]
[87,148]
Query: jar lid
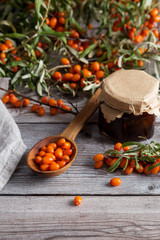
[129,91]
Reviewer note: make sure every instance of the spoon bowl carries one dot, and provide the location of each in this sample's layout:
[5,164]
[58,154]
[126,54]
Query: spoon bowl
[69,134]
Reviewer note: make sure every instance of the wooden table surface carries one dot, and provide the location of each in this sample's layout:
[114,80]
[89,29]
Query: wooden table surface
[32,207]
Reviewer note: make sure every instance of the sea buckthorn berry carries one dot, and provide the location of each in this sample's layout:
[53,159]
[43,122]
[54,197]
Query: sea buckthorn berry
[68,152]
[86,72]
[53,166]
[113,161]
[5,98]
[62,20]
[54,145]
[146,170]
[2,55]
[18,104]
[52,102]
[60,102]
[61,163]
[57,75]
[53,22]
[156,33]
[96,66]
[3,47]
[129,170]
[145,32]
[44,148]
[118,146]
[38,159]
[39,44]
[53,111]
[47,21]
[126,148]
[69,42]
[138,38]
[15,69]
[115,182]
[41,111]
[75,46]
[16,58]
[77,200]
[98,157]
[65,158]
[47,160]
[140,169]
[41,153]
[35,108]
[133,163]
[44,167]
[90,26]
[50,149]
[8,43]
[76,77]
[73,85]
[44,99]
[123,163]
[65,61]
[66,107]
[66,145]
[50,155]
[60,29]
[60,142]
[67,76]
[75,34]
[26,101]
[80,49]
[58,153]
[13,99]
[156,18]
[154,12]
[155,170]
[77,68]
[14,51]
[140,63]
[99,74]
[98,164]
[108,161]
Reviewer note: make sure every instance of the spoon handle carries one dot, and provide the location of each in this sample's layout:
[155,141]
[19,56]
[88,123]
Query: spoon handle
[78,122]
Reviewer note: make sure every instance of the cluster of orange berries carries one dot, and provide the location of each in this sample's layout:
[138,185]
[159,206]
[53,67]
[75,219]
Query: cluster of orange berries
[10,97]
[129,166]
[77,75]
[53,104]
[54,156]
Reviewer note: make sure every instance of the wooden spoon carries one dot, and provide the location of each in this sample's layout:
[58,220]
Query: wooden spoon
[69,133]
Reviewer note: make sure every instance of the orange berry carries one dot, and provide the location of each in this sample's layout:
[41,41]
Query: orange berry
[2,55]
[41,153]
[110,65]
[146,170]
[133,163]
[8,43]
[50,149]
[90,26]
[52,102]
[61,14]
[60,102]
[15,69]
[3,47]
[66,107]
[99,74]
[99,157]
[118,146]
[129,170]
[54,111]
[73,85]
[77,68]
[57,75]
[18,104]
[140,169]
[44,99]
[60,29]
[67,77]
[53,22]
[47,160]
[38,53]
[69,42]
[126,148]
[38,159]
[14,51]
[145,32]
[86,72]
[80,49]
[35,108]
[68,152]
[76,77]
[156,18]
[60,142]
[96,66]
[75,34]
[74,46]
[5,98]
[77,200]
[123,163]
[98,164]
[54,145]
[47,21]
[156,33]
[62,20]
[41,111]
[44,149]
[155,170]
[115,182]
[16,58]
[65,61]
[65,158]
[141,50]
[39,44]
[13,99]
[154,12]
[59,153]
[113,161]
[54,166]
[138,38]
[61,163]
[26,101]
[44,167]
[50,155]
[66,145]
[82,83]
[140,63]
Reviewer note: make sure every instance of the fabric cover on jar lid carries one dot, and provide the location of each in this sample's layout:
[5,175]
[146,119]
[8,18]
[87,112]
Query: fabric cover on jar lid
[129,91]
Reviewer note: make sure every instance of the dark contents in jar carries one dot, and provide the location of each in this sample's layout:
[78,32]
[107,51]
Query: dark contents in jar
[128,127]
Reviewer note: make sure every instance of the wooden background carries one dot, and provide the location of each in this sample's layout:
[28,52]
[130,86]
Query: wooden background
[32,207]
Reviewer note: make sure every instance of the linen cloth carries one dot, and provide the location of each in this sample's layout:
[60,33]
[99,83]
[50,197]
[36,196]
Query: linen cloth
[11,144]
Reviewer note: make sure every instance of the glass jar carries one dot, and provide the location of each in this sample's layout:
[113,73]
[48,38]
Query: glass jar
[129,104]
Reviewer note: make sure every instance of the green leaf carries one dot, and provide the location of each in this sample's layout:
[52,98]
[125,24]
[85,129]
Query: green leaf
[115,165]
[37,4]
[17,76]
[13,35]
[87,50]
[9,24]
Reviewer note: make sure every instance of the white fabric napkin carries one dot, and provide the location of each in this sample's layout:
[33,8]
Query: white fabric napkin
[11,145]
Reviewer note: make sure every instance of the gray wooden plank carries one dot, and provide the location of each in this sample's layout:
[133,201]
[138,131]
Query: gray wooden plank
[81,176]
[56,217]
